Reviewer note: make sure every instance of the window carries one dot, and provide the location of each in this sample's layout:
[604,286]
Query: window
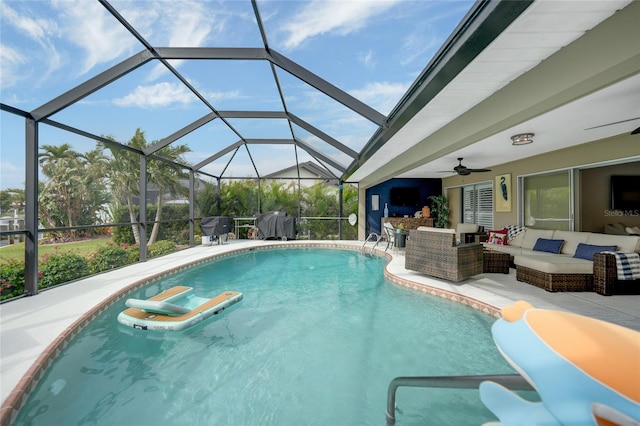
[547,201]
[477,204]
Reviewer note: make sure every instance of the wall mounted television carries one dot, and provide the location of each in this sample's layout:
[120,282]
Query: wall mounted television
[625,192]
[404,196]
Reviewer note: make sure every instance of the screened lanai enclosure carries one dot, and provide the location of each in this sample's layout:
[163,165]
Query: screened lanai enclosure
[130,121]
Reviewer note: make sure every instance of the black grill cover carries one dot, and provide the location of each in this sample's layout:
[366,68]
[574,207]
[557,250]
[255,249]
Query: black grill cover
[216,225]
[276,225]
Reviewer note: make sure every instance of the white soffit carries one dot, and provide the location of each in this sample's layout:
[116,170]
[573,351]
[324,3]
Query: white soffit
[542,29]
[611,111]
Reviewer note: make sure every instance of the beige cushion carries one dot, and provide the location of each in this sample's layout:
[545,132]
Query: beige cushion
[463,228]
[571,240]
[517,239]
[532,235]
[555,264]
[512,250]
[625,243]
[442,230]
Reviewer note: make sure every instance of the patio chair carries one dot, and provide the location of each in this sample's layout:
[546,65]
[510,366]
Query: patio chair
[389,232]
[434,252]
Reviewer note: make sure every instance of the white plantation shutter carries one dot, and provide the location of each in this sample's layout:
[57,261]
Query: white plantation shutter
[468,204]
[477,204]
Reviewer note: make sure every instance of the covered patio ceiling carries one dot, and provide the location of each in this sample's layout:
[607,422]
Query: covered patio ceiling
[558,69]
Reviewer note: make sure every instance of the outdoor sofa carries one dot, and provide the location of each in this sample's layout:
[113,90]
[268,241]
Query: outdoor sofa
[564,260]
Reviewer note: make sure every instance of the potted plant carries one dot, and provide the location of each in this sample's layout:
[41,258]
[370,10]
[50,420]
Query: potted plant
[440,211]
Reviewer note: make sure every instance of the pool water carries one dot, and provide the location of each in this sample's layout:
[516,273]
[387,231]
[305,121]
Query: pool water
[316,340]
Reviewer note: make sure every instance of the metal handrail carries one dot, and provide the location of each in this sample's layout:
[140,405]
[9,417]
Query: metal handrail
[510,381]
[377,240]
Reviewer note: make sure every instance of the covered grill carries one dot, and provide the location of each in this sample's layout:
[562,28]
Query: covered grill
[216,226]
[276,225]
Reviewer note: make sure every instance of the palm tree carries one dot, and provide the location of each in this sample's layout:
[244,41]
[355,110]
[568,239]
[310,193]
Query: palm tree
[51,155]
[167,177]
[206,200]
[321,200]
[74,192]
[279,196]
[124,178]
[11,197]
[239,198]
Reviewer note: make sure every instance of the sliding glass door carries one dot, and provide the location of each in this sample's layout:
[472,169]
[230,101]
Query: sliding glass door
[547,201]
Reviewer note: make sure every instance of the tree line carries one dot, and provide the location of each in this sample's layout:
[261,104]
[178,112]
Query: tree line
[101,186]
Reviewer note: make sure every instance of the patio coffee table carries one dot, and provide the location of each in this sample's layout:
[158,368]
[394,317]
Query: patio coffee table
[495,262]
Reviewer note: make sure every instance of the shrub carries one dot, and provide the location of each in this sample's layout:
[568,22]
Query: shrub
[134,253]
[122,234]
[109,257]
[174,231]
[11,279]
[161,248]
[62,267]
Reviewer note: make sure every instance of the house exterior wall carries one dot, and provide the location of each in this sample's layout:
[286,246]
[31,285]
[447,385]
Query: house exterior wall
[592,207]
[307,180]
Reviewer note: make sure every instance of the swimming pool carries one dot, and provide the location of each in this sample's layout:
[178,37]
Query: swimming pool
[316,340]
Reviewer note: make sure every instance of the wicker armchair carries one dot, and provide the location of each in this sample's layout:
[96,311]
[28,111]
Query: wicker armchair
[605,277]
[434,252]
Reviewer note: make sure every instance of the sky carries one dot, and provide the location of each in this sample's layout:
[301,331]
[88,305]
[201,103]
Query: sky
[373,50]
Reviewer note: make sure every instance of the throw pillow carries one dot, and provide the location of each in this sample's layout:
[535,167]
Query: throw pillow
[587,251]
[549,246]
[497,237]
[513,231]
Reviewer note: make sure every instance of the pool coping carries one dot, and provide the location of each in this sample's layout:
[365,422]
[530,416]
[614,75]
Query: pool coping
[475,297]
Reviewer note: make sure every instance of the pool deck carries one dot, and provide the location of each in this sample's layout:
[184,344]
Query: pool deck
[31,325]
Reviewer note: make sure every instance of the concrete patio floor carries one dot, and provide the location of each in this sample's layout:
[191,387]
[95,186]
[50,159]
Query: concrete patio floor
[28,326]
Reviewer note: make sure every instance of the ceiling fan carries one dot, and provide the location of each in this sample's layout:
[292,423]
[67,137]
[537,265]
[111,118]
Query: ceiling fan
[465,171]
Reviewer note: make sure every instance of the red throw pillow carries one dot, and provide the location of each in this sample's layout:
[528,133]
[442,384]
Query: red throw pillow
[498,237]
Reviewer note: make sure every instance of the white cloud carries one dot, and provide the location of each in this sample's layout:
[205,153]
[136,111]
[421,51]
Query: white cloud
[190,23]
[89,26]
[164,94]
[12,176]
[35,29]
[215,97]
[183,23]
[341,17]
[381,95]
[420,47]
[367,59]
[42,32]
[11,62]
[157,95]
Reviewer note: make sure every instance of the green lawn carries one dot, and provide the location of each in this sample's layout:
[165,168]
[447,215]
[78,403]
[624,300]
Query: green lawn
[82,248]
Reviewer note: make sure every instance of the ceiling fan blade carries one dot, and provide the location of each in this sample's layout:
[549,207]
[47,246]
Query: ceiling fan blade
[636,131]
[479,170]
[615,122]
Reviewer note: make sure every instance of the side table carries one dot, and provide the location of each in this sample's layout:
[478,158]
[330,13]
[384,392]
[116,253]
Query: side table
[495,261]
[400,239]
[475,237]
